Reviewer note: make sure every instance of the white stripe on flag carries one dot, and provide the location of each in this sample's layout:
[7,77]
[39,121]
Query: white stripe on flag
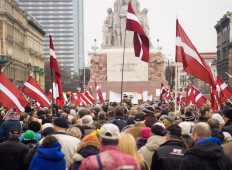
[52,53]
[90,95]
[132,17]
[189,92]
[223,86]
[97,88]
[12,97]
[188,50]
[83,101]
[87,99]
[37,91]
[198,97]
[141,51]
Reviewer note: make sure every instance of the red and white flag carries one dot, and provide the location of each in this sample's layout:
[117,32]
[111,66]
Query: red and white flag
[55,67]
[180,100]
[99,92]
[192,62]
[141,41]
[226,92]
[199,98]
[188,100]
[76,99]
[49,94]
[162,92]
[32,89]
[168,96]
[11,96]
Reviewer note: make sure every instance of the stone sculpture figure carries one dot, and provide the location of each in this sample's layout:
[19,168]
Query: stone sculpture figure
[108,28]
[156,67]
[116,26]
[98,68]
[144,21]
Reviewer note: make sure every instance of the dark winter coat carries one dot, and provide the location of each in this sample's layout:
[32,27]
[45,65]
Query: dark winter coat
[84,150]
[140,142]
[49,157]
[168,156]
[228,127]
[217,133]
[6,127]
[12,155]
[206,155]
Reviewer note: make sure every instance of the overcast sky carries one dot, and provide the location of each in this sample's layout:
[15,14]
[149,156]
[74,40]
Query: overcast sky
[197,17]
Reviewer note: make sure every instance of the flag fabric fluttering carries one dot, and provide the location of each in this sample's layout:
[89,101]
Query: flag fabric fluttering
[199,99]
[168,96]
[76,98]
[192,62]
[226,92]
[162,92]
[32,89]
[188,100]
[180,100]
[99,92]
[141,41]
[11,96]
[55,67]
[49,94]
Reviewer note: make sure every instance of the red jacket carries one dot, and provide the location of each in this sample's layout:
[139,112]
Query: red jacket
[111,158]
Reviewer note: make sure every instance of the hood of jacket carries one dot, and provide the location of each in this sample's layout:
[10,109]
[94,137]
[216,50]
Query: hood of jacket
[50,152]
[154,142]
[207,150]
[141,141]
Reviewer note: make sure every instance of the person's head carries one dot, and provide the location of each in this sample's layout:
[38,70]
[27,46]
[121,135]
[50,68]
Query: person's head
[172,132]
[213,123]
[47,131]
[90,138]
[34,126]
[82,112]
[146,132]
[189,116]
[101,115]
[227,115]
[157,130]
[74,131]
[140,118]
[15,132]
[119,111]
[87,120]
[109,134]
[48,112]
[207,111]
[60,124]
[3,113]
[109,10]
[201,131]
[188,109]
[33,119]
[128,146]
[105,108]
[130,121]
[67,110]
[172,114]
[219,118]
[24,117]
[28,109]
[29,134]
[49,140]
[168,121]
[64,115]
[185,128]
[41,114]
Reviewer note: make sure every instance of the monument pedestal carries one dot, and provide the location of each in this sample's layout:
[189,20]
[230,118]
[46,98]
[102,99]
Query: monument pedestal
[106,67]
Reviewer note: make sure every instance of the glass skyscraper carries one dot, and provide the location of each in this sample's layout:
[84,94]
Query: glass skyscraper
[63,19]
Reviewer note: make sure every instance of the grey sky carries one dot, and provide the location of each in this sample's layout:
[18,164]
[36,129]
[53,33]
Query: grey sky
[197,17]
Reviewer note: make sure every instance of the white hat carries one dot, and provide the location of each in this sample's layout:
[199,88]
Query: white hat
[219,118]
[109,131]
[160,124]
[227,135]
[87,120]
[185,128]
[44,126]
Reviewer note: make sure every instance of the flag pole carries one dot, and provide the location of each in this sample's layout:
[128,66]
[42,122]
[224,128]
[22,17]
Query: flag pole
[53,111]
[176,79]
[123,64]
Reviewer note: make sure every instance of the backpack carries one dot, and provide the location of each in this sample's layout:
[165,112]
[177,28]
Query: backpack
[118,122]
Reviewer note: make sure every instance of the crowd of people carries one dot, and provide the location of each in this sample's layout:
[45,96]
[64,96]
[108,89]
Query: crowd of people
[116,136]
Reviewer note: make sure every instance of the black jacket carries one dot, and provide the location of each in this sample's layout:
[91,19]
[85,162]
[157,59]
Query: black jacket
[228,127]
[12,155]
[206,156]
[168,156]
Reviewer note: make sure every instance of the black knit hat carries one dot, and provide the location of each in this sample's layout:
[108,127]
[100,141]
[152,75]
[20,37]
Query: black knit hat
[174,130]
[149,110]
[189,116]
[157,130]
[61,122]
[228,113]
[139,117]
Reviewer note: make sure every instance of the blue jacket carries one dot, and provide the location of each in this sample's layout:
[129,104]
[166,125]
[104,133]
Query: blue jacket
[5,128]
[49,157]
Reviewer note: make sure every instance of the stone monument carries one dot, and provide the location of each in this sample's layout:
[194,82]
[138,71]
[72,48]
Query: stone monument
[106,64]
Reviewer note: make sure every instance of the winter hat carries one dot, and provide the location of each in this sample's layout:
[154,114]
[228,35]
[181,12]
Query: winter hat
[169,120]
[227,135]
[61,122]
[228,113]
[40,112]
[139,117]
[130,120]
[145,132]
[150,120]
[90,138]
[157,130]
[189,116]
[133,112]
[96,110]
[174,130]
[75,132]
[185,128]
[44,126]
[110,131]
[29,134]
[47,131]
[160,124]
[28,109]
[148,110]
[15,130]
[13,114]
[87,120]
[162,117]
[219,118]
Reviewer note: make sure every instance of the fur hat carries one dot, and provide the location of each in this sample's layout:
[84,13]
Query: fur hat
[185,128]
[90,138]
[157,130]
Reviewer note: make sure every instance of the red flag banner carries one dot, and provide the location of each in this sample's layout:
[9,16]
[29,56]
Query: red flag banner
[49,94]
[99,92]
[11,96]
[33,90]
[168,96]
[141,41]
[226,92]
[192,62]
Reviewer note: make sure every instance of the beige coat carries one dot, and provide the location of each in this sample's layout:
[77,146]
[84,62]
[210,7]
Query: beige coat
[152,144]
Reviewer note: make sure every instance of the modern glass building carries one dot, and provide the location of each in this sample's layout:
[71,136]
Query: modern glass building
[63,19]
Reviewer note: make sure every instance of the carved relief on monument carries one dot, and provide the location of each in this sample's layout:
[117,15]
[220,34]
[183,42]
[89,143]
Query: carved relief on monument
[115,24]
[156,67]
[98,67]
